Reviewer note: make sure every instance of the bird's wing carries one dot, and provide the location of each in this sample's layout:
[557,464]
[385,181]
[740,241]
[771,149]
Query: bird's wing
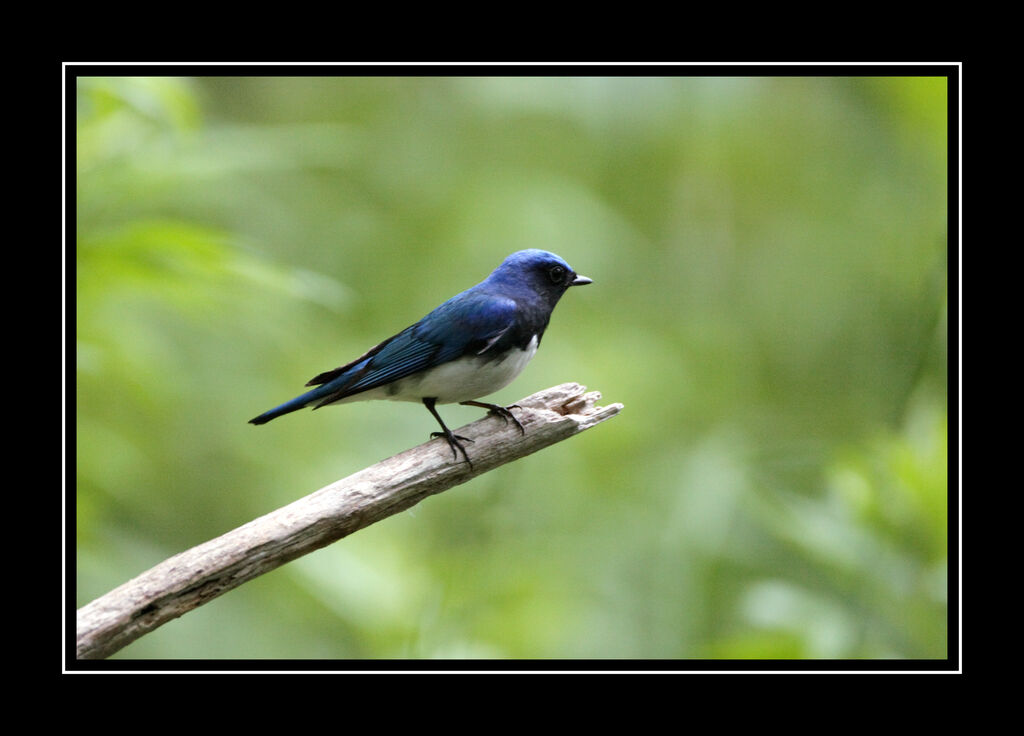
[466,324]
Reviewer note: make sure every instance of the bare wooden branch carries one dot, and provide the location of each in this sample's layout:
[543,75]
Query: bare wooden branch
[191,578]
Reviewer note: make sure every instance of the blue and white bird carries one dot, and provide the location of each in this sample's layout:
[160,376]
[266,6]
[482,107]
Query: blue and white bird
[474,344]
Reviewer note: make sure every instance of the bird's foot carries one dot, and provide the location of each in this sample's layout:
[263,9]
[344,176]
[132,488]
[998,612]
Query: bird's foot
[453,442]
[502,411]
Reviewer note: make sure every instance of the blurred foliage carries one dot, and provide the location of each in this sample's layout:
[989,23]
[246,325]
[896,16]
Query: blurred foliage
[770,297]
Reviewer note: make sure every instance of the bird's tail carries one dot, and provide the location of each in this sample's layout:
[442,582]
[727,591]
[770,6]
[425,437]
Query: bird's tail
[299,402]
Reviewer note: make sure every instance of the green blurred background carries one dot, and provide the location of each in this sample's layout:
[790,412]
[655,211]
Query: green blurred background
[770,304]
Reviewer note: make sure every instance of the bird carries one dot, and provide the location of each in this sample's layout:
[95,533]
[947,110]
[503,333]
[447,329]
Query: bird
[471,346]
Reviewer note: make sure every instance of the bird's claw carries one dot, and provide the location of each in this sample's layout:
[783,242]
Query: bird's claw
[505,413]
[453,442]
[502,411]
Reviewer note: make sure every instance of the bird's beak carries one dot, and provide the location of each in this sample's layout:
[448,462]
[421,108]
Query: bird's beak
[580,281]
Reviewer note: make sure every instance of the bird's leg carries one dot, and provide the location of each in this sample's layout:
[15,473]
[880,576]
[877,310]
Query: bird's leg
[501,411]
[453,439]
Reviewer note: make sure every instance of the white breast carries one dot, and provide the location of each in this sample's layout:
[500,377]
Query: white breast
[471,377]
[464,379]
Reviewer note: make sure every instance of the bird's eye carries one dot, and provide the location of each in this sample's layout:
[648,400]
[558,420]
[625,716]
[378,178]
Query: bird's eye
[557,274]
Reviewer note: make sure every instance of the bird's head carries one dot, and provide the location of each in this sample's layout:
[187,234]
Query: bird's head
[541,273]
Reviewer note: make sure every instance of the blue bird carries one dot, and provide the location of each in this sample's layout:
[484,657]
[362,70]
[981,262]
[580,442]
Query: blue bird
[474,344]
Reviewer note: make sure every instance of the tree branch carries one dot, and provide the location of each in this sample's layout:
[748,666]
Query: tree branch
[191,578]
